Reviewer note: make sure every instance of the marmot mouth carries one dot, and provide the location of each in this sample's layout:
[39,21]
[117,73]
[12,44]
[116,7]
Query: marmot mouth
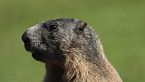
[27,47]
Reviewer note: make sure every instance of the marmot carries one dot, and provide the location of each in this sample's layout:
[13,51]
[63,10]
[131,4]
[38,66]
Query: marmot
[71,51]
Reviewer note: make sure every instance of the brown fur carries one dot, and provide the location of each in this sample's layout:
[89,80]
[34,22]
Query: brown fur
[78,69]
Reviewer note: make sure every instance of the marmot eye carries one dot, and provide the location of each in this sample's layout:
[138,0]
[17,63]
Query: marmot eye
[52,27]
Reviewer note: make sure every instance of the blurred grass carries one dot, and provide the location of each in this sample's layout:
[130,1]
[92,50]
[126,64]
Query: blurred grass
[120,24]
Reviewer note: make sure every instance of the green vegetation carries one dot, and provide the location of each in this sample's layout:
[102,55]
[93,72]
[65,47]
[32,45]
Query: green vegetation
[120,24]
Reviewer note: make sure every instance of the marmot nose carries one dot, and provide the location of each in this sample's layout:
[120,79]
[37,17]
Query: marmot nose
[25,38]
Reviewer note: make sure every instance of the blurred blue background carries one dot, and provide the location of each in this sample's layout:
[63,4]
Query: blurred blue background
[119,23]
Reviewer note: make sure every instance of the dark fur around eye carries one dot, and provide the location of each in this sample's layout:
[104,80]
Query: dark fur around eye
[44,25]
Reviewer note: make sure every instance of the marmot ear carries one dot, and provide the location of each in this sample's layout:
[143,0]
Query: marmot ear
[81,25]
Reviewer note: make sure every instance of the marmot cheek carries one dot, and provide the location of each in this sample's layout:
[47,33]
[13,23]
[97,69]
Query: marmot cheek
[64,44]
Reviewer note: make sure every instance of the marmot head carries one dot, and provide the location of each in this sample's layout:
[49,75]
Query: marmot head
[50,39]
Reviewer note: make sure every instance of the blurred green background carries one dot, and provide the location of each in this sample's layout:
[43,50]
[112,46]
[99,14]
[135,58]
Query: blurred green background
[119,23]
